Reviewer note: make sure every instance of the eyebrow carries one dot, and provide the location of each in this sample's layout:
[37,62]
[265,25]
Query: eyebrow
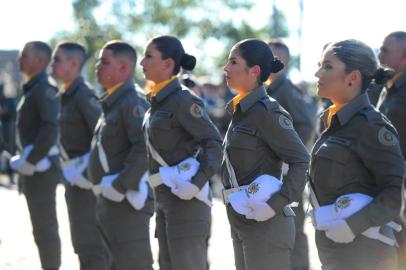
[232,58]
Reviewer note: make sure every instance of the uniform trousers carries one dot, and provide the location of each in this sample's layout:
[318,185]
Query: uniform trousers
[361,254]
[86,239]
[40,193]
[265,245]
[125,232]
[182,229]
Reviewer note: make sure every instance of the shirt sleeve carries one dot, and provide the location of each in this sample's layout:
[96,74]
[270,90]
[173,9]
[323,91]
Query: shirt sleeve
[279,134]
[193,117]
[380,152]
[135,164]
[47,101]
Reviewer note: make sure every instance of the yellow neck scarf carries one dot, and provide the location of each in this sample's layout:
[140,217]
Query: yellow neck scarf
[390,82]
[159,86]
[238,98]
[113,89]
[332,110]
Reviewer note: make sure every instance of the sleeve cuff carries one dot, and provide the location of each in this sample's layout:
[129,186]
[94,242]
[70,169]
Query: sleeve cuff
[277,202]
[199,179]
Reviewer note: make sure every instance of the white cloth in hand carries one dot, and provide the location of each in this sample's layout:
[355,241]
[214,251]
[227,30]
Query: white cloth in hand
[18,160]
[338,231]
[107,189]
[25,168]
[74,173]
[184,189]
[137,198]
[260,211]
[184,171]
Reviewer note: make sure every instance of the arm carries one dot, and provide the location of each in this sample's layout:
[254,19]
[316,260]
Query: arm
[47,101]
[277,131]
[380,152]
[135,163]
[195,120]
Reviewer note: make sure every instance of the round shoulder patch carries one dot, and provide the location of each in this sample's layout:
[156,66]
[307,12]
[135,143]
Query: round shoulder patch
[51,93]
[138,111]
[285,122]
[196,110]
[386,137]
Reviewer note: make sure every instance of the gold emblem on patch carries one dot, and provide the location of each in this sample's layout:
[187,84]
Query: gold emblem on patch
[386,137]
[342,203]
[285,122]
[252,189]
[196,110]
[184,167]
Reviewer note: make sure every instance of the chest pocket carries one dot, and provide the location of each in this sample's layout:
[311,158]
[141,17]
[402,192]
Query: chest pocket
[110,128]
[242,146]
[161,120]
[331,162]
[162,132]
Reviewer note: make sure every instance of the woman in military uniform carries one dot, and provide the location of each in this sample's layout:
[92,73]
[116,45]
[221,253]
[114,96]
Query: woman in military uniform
[184,150]
[357,153]
[260,137]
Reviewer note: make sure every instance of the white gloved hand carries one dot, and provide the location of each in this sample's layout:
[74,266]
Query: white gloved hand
[107,189]
[184,171]
[73,175]
[25,168]
[137,198]
[184,189]
[338,231]
[260,211]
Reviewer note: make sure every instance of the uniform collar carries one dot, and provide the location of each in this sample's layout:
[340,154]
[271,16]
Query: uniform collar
[109,100]
[352,108]
[401,80]
[171,87]
[276,84]
[247,102]
[73,86]
[36,78]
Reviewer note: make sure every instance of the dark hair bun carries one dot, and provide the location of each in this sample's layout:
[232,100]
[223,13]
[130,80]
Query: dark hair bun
[188,62]
[277,65]
[382,75]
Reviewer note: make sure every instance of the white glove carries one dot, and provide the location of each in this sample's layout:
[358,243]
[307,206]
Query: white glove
[107,189]
[73,173]
[17,161]
[260,211]
[137,198]
[338,231]
[184,171]
[23,167]
[184,189]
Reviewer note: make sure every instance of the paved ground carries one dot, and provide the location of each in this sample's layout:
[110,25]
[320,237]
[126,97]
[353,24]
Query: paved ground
[18,251]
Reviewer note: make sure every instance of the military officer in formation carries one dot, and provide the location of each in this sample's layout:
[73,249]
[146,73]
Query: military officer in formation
[117,156]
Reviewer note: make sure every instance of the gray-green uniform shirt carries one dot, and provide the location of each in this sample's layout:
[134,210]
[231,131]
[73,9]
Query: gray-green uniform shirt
[178,126]
[119,130]
[80,111]
[260,137]
[359,153]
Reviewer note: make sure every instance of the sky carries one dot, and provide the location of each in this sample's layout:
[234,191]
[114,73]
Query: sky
[323,21]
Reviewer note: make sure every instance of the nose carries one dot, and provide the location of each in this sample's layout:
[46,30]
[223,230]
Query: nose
[142,62]
[317,74]
[225,68]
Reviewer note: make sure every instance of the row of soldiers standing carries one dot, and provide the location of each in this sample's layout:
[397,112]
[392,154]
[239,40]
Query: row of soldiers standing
[118,146]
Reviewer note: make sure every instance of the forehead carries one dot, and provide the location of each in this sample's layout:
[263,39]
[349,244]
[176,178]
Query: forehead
[390,42]
[60,52]
[106,53]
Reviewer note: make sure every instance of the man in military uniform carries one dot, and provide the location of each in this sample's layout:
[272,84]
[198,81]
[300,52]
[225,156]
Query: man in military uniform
[79,114]
[39,167]
[392,102]
[118,162]
[294,101]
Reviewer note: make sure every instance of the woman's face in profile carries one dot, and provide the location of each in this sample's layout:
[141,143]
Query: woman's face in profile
[332,76]
[236,70]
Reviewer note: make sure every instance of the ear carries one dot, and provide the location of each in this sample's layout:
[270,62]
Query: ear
[255,71]
[354,77]
[169,64]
